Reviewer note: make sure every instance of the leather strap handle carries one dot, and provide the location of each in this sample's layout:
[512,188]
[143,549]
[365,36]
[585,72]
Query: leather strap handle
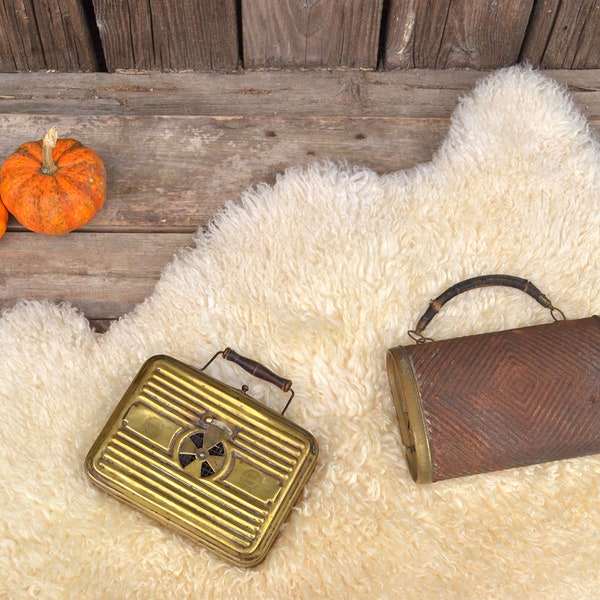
[478,282]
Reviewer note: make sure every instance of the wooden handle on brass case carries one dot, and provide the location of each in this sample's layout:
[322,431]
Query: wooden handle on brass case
[478,282]
[256,369]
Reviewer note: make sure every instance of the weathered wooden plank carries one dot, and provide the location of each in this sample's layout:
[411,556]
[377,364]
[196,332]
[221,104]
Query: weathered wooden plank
[172,173]
[314,33]
[53,34]
[401,93]
[162,35]
[564,35]
[251,93]
[105,275]
[455,34]
[400,31]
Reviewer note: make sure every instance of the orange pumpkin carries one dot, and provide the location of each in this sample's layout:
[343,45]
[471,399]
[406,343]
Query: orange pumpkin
[53,186]
[3,219]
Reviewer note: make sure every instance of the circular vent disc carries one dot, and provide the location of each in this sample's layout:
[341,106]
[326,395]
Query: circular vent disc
[202,453]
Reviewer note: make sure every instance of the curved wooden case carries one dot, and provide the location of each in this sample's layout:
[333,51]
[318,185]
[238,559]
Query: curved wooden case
[499,400]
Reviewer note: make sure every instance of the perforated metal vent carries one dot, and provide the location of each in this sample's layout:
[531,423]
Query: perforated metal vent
[203,453]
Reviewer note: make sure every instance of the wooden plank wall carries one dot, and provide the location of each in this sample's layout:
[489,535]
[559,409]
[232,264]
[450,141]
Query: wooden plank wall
[53,34]
[166,35]
[225,35]
[448,34]
[311,33]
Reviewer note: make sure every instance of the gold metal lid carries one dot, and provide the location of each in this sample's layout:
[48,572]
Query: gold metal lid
[405,393]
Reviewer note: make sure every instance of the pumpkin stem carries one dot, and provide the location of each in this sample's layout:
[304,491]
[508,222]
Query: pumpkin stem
[48,165]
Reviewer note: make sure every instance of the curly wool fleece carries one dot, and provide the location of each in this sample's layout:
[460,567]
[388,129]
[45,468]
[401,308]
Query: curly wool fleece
[316,276]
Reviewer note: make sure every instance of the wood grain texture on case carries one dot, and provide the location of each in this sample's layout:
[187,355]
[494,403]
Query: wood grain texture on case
[511,398]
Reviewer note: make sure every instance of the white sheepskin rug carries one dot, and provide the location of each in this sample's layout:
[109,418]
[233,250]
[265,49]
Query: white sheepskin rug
[316,277]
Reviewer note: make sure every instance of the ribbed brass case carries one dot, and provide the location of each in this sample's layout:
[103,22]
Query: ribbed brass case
[203,458]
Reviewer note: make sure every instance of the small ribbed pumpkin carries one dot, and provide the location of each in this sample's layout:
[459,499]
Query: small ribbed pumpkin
[53,186]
